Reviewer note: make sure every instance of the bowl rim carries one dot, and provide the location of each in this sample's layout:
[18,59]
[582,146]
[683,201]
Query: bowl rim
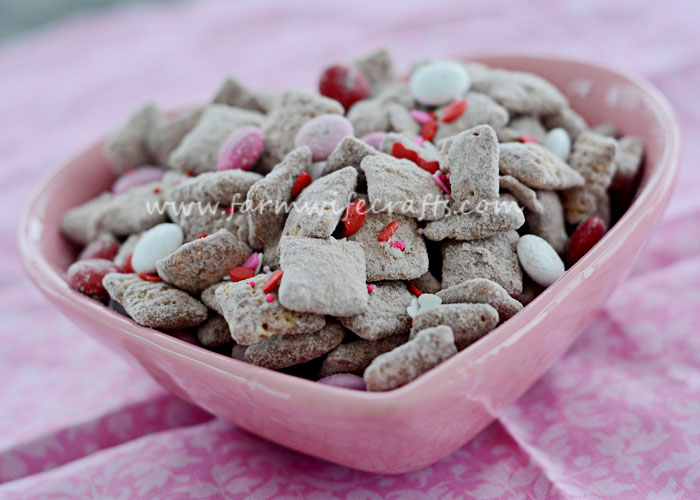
[655,188]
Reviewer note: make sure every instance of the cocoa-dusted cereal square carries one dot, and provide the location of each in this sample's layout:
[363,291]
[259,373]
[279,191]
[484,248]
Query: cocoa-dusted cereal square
[482,291]
[536,167]
[469,322]
[481,110]
[386,313]
[355,356]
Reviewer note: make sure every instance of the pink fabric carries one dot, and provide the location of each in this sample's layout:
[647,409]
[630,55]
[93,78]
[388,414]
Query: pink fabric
[617,417]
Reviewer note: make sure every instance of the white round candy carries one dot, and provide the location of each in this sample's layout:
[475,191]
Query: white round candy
[439,82]
[539,260]
[155,244]
[558,142]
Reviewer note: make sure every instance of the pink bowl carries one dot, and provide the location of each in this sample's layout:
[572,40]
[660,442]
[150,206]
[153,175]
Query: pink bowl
[420,423]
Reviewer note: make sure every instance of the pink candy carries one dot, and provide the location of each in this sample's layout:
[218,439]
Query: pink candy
[374,139]
[322,134]
[398,244]
[269,297]
[421,116]
[418,140]
[137,177]
[437,176]
[252,261]
[370,288]
[242,149]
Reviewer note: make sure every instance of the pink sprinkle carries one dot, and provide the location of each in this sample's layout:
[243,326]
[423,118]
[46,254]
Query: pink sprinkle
[252,261]
[420,230]
[269,297]
[252,284]
[398,244]
[229,209]
[418,140]
[437,177]
[421,116]
[266,269]
[370,288]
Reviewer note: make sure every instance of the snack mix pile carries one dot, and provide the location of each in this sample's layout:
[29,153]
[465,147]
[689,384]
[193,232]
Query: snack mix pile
[358,237]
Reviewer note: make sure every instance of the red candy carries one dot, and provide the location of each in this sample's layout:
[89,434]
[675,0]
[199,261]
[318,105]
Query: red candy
[104,247]
[454,110]
[587,234]
[401,152]
[354,217]
[241,273]
[388,231]
[203,235]
[86,276]
[272,282]
[427,131]
[127,264]
[528,138]
[415,290]
[345,84]
[150,277]
[303,180]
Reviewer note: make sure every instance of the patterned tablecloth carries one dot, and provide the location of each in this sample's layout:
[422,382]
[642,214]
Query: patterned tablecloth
[617,417]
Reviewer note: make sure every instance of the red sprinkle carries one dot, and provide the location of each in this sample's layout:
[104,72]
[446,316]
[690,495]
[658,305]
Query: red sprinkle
[203,235]
[157,190]
[303,180]
[388,231]
[229,209]
[370,288]
[189,173]
[430,166]
[127,264]
[240,273]
[587,234]
[427,131]
[415,290]
[269,297]
[354,217]
[401,152]
[272,282]
[150,277]
[454,110]
[528,138]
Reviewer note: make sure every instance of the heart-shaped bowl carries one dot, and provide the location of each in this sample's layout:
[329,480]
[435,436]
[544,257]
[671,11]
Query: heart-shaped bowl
[415,425]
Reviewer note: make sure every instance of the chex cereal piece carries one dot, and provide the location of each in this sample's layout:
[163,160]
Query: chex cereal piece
[521,92]
[536,167]
[196,219]
[80,224]
[369,116]
[233,93]
[384,262]
[549,223]
[348,153]
[166,133]
[427,283]
[526,197]
[481,110]
[199,149]
[214,332]
[523,125]
[402,187]
[154,304]
[266,197]
[593,156]
[494,258]
[252,318]
[378,67]
[386,313]
[317,210]
[399,366]
[202,262]
[401,121]
[238,352]
[568,119]
[485,220]
[271,252]
[128,147]
[469,322]
[208,297]
[357,355]
[580,204]
[132,211]
[630,151]
[284,121]
[282,351]
[471,158]
[482,291]
[323,276]
[225,187]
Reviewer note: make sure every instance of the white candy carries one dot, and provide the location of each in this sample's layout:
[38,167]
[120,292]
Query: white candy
[559,143]
[423,303]
[539,260]
[155,244]
[439,82]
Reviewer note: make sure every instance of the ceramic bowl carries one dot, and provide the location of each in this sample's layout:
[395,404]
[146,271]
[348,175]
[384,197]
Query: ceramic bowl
[415,425]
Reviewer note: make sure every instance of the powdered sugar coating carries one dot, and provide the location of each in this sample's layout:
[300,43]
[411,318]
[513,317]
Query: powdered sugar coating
[129,212]
[234,93]
[549,223]
[526,197]
[127,147]
[536,167]
[386,312]
[521,92]
[481,110]
[628,160]
[427,283]
[469,322]
[165,134]
[80,224]
[214,332]
[357,355]
[208,297]
[482,291]
[495,217]
[225,187]
[378,67]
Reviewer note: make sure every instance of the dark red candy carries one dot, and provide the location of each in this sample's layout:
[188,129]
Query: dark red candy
[302,182]
[345,84]
[587,234]
[354,217]
[104,246]
[86,276]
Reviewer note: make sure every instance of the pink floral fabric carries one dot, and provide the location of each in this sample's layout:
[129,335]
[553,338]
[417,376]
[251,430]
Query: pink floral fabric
[617,417]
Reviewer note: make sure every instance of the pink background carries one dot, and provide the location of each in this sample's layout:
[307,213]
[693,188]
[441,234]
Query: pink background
[617,417]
